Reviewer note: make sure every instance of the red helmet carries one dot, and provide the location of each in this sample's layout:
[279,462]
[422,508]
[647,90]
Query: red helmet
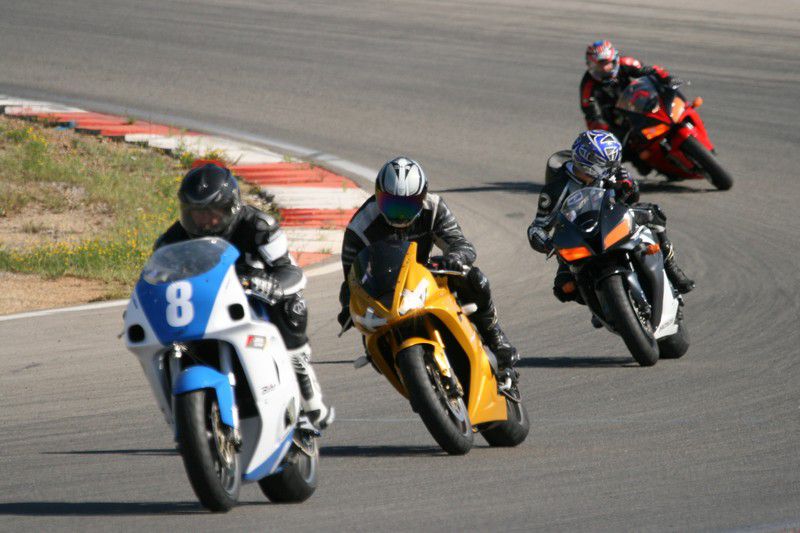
[602,60]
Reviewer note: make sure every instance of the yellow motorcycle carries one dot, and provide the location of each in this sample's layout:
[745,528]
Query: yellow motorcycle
[422,341]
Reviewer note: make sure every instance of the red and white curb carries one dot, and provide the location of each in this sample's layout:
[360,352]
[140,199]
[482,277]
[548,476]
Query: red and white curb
[315,204]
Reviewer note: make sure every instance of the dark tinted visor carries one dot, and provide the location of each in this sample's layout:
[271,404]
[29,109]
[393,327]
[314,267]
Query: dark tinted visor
[205,220]
[400,210]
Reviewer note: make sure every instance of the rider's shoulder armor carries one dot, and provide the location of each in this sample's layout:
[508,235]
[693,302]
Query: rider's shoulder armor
[175,233]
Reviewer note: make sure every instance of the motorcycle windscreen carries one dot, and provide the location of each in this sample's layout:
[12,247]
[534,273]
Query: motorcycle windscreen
[377,268]
[582,208]
[179,285]
[640,97]
[185,259]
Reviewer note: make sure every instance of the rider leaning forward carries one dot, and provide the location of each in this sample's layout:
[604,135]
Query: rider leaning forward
[595,162]
[211,206]
[403,209]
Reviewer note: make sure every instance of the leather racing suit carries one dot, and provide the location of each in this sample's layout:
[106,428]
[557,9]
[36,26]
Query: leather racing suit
[436,225]
[265,263]
[563,184]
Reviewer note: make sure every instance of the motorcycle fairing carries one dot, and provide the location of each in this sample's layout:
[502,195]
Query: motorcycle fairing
[268,371]
[440,308]
[200,377]
[667,124]
[179,309]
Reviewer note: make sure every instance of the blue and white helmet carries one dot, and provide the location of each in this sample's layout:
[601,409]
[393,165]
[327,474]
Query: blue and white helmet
[597,153]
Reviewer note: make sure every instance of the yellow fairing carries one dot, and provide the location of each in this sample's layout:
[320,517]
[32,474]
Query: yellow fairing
[387,332]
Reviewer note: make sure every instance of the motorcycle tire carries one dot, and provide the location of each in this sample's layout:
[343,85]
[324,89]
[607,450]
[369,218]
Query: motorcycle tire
[511,432]
[214,473]
[640,343]
[296,481]
[676,345]
[698,153]
[452,431]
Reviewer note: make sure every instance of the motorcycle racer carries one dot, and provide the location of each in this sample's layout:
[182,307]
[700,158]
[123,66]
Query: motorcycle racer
[211,206]
[607,75]
[403,209]
[595,161]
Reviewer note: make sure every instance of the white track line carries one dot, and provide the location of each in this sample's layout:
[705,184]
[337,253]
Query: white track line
[329,160]
[310,273]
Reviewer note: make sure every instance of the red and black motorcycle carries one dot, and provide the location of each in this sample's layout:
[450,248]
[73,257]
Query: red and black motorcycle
[668,134]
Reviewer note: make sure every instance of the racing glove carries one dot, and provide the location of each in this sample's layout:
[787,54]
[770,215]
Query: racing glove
[266,286]
[626,187]
[539,239]
[454,261]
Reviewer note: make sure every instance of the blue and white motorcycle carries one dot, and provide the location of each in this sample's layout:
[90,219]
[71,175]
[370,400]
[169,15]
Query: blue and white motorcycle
[221,376]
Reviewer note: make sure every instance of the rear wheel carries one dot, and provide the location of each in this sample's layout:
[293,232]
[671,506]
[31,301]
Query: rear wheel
[208,450]
[630,322]
[717,175]
[512,431]
[443,412]
[297,480]
[676,345]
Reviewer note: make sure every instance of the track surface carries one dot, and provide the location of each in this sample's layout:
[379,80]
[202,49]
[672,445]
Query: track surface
[480,94]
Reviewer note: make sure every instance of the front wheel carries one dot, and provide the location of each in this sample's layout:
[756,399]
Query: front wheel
[512,431]
[443,413]
[208,451]
[629,322]
[698,153]
[297,479]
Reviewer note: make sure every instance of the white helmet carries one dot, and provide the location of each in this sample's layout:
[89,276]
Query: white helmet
[400,190]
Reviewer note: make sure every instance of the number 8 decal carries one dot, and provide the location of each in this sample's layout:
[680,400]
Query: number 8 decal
[180,310]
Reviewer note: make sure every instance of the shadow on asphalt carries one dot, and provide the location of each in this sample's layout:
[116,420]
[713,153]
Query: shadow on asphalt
[576,362]
[337,362]
[509,186]
[100,508]
[141,451]
[380,451]
[673,187]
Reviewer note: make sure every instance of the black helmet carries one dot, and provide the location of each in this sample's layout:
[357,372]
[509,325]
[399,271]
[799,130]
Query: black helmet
[210,201]
[400,190]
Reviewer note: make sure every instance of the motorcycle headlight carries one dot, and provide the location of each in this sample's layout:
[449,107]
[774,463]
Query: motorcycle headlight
[410,300]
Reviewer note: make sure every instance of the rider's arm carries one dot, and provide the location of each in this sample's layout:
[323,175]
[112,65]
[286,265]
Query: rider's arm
[633,68]
[273,251]
[351,246]
[592,112]
[447,234]
[550,200]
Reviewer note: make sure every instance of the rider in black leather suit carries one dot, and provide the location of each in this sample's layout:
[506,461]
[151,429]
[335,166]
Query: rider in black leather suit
[402,183]
[211,207]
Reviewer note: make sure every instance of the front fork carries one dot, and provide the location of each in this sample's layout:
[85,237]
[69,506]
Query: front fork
[174,357]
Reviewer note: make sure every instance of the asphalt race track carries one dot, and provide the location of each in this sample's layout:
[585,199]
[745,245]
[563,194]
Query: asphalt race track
[481,93]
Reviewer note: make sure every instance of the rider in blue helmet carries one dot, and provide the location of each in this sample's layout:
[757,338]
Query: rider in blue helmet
[596,161]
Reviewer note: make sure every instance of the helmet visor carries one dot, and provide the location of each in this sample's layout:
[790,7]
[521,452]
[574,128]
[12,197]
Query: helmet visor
[400,211]
[206,220]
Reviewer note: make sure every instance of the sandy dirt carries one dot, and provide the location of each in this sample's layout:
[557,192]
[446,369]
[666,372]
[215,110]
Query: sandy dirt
[24,292]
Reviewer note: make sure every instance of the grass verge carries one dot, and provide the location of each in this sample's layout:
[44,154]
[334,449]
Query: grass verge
[126,193]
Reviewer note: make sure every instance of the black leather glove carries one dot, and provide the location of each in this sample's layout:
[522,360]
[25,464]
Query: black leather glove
[539,239]
[454,261]
[266,286]
[343,317]
[626,187]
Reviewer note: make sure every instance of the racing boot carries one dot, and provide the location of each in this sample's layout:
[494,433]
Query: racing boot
[320,415]
[676,275]
[488,327]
